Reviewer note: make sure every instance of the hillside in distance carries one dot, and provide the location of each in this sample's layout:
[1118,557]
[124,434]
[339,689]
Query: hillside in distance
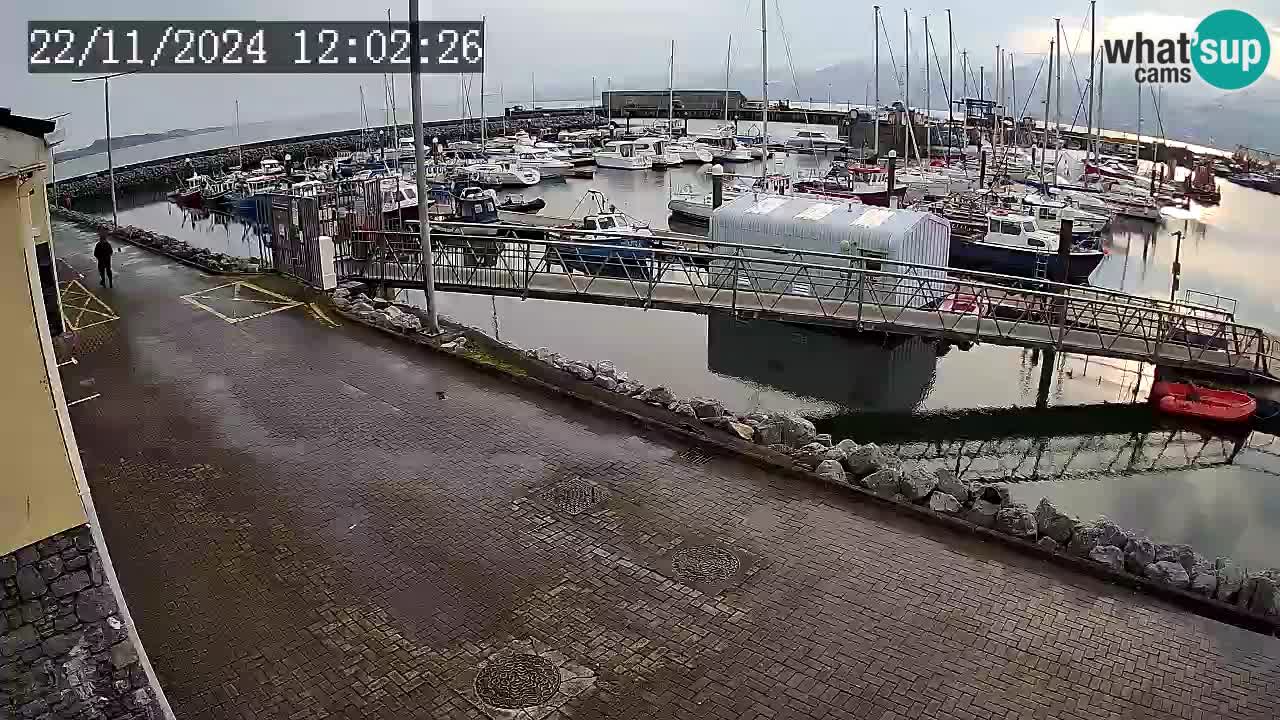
[125,141]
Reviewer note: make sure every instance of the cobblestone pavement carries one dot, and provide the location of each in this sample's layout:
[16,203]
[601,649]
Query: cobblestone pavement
[313,521]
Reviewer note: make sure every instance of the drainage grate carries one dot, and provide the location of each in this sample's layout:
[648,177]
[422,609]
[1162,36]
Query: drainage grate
[516,682]
[704,564]
[573,495]
[693,457]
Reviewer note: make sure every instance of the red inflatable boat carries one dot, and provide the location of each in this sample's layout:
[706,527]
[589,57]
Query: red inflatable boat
[1202,403]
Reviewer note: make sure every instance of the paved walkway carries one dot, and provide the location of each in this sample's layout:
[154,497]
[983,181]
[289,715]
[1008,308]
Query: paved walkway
[313,521]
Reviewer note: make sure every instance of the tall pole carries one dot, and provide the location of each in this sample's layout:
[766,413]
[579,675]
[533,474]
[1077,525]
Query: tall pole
[906,89]
[727,54]
[671,90]
[239,144]
[608,107]
[484,119]
[419,151]
[877,108]
[1097,141]
[928,105]
[593,89]
[111,167]
[1013,92]
[1137,150]
[533,91]
[1048,92]
[1057,113]
[1093,51]
[951,85]
[764,78]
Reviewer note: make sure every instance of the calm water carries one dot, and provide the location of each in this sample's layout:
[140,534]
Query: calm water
[1094,451]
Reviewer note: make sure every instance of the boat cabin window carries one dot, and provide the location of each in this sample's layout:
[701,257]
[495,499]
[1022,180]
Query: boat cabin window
[1005,227]
[1028,226]
[488,206]
[626,150]
[1034,242]
[605,223]
[1047,214]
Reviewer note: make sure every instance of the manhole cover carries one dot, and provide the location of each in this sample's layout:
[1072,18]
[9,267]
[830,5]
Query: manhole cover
[515,682]
[693,457]
[704,564]
[573,495]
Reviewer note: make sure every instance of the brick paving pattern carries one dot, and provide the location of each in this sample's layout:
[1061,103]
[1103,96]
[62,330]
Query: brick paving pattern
[316,522]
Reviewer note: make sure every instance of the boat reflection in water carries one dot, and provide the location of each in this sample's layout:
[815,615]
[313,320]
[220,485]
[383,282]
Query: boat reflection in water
[853,371]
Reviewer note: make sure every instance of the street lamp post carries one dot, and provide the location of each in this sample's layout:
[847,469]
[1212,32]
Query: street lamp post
[106,103]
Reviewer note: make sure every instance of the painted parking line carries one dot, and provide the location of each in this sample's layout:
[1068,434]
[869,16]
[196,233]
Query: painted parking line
[81,308]
[84,399]
[274,302]
[322,317]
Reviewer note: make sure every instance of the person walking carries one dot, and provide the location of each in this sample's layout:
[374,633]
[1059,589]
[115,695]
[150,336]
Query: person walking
[102,251]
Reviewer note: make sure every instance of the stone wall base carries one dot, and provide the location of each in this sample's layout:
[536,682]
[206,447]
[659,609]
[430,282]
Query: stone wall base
[64,649]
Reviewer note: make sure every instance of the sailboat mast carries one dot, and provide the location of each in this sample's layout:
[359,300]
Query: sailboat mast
[1097,141]
[1093,51]
[1137,154]
[764,78]
[1057,114]
[951,85]
[671,90]
[239,143]
[484,119]
[877,108]
[364,122]
[928,106]
[727,54]
[906,88]
[1048,92]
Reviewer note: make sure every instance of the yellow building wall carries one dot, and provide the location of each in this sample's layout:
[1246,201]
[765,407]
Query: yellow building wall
[38,493]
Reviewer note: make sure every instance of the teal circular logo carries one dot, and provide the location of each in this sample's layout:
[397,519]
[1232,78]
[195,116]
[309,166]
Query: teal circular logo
[1232,49]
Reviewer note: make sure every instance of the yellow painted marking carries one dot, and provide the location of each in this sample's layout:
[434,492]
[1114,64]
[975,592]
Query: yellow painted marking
[77,301]
[280,301]
[322,316]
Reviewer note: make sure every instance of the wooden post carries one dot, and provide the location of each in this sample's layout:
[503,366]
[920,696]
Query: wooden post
[893,166]
[717,185]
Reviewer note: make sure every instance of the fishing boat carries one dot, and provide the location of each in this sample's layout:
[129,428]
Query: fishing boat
[518,203]
[622,155]
[1048,212]
[1013,245]
[477,208]
[867,183]
[191,193]
[813,141]
[1202,403]
[656,149]
[624,252]
[399,198]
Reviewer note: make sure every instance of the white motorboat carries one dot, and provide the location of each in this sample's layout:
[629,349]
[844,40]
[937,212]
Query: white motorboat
[723,148]
[813,141]
[622,155]
[503,173]
[269,167]
[542,161]
[689,152]
[656,149]
[1134,206]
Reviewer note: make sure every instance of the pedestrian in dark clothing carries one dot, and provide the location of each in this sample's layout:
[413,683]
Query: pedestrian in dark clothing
[102,251]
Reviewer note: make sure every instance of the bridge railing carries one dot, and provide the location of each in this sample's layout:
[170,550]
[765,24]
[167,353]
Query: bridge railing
[806,286]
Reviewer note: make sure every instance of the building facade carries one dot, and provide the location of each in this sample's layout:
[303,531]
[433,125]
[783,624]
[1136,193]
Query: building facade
[67,646]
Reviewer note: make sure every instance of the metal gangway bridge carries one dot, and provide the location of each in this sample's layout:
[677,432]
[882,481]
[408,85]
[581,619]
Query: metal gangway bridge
[692,274]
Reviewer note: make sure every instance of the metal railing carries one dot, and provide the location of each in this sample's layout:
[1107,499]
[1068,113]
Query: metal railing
[808,286]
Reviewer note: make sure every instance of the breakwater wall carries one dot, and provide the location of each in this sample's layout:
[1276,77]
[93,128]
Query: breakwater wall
[323,145]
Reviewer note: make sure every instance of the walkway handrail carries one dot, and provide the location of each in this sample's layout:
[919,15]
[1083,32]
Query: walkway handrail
[993,278]
[794,287]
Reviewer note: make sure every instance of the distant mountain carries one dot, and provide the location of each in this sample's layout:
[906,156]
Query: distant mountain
[124,141]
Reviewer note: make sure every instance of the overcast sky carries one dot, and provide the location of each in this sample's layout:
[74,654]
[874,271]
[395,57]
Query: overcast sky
[563,43]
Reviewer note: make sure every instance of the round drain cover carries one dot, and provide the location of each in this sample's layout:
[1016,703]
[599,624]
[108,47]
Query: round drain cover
[706,563]
[517,681]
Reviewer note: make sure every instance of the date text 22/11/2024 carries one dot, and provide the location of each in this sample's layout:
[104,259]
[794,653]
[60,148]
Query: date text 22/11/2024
[81,46]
